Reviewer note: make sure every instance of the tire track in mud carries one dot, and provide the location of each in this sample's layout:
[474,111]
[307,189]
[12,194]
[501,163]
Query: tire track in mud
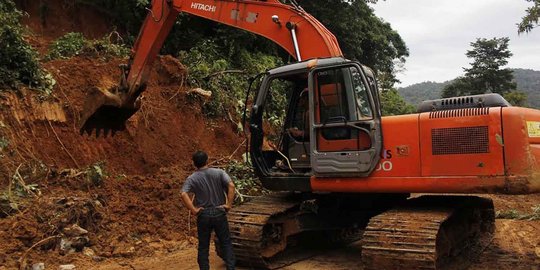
[516,246]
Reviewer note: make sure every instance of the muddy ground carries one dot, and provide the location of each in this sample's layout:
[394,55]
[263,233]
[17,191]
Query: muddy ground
[516,245]
[131,212]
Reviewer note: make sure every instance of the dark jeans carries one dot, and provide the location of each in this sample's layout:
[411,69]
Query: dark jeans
[214,219]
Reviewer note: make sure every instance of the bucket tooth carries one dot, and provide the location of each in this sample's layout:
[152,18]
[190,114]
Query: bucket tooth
[107,110]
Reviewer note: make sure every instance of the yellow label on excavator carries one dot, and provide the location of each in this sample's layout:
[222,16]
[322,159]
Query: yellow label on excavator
[534,129]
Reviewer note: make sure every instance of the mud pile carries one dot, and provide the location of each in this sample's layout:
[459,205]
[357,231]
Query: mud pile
[135,200]
[122,191]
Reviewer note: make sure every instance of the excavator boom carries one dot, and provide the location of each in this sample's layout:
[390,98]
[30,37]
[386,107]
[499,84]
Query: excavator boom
[296,31]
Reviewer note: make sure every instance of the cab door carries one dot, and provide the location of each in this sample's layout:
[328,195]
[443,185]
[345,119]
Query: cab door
[345,122]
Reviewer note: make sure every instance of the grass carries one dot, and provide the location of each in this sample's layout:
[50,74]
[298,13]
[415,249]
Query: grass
[515,214]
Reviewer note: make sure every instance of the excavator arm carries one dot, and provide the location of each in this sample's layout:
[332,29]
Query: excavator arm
[289,26]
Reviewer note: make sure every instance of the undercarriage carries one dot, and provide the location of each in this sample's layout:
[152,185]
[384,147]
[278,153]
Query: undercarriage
[428,232]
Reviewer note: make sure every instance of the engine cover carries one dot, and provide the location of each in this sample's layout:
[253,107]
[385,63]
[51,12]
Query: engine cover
[476,101]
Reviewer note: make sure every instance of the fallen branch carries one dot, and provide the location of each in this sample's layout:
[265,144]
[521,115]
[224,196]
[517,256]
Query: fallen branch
[62,144]
[20,179]
[22,260]
[238,71]
[229,157]
[180,87]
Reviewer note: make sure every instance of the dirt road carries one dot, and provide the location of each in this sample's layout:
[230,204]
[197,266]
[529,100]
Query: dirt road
[516,246]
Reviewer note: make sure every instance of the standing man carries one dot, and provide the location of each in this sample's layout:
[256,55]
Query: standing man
[211,206]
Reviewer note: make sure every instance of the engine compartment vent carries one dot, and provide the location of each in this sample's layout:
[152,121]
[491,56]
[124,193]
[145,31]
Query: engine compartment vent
[462,140]
[459,113]
[477,101]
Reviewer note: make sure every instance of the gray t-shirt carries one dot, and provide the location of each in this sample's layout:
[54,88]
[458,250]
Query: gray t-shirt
[209,186]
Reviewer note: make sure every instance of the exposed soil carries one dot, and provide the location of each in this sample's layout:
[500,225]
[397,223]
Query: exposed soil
[51,19]
[135,209]
[138,203]
[132,215]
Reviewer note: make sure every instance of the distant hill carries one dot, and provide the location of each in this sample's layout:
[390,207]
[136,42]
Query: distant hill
[419,92]
[527,80]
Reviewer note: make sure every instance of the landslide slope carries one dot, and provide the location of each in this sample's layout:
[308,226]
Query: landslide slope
[123,190]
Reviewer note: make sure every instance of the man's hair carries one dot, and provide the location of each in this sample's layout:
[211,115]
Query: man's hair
[199,159]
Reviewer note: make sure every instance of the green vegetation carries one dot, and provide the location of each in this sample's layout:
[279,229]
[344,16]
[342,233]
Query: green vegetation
[516,98]
[73,44]
[21,186]
[362,35]
[514,214]
[69,45]
[19,65]
[393,104]
[96,173]
[528,81]
[224,74]
[418,92]
[485,74]
[4,143]
[530,20]
[211,50]
[244,178]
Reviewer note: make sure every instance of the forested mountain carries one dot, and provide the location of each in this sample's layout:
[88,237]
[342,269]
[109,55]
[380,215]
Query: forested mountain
[418,92]
[528,81]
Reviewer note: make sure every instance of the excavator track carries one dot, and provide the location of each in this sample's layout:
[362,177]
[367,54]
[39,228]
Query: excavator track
[429,232]
[259,231]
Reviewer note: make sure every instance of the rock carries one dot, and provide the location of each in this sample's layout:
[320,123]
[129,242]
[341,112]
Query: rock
[65,246]
[67,267]
[89,252]
[38,266]
[70,245]
[98,258]
[80,242]
[98,204]
[124,251]
[74,230]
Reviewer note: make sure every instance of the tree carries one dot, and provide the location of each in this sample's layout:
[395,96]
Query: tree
[485,74]
[459,87]
[19,65]
[530,20]
[516,98]
[392,103]
[362,35]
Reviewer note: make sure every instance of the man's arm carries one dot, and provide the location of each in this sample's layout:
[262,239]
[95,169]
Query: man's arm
[189,204]
[230,196]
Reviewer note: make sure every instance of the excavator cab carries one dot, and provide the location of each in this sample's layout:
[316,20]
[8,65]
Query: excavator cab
[331,122]
[346,124]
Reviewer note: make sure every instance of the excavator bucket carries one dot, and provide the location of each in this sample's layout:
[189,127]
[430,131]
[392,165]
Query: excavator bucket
[106,111]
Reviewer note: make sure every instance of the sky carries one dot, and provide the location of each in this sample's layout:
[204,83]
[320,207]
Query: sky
[438,34]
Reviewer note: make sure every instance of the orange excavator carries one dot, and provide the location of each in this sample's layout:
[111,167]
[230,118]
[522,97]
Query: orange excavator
[341,171]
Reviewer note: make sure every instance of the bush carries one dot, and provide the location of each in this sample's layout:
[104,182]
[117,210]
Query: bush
[19,63]
[106,48]
[226,75]
[514,214]
[69,45]
[392,103]
[246,182]
[73,44]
